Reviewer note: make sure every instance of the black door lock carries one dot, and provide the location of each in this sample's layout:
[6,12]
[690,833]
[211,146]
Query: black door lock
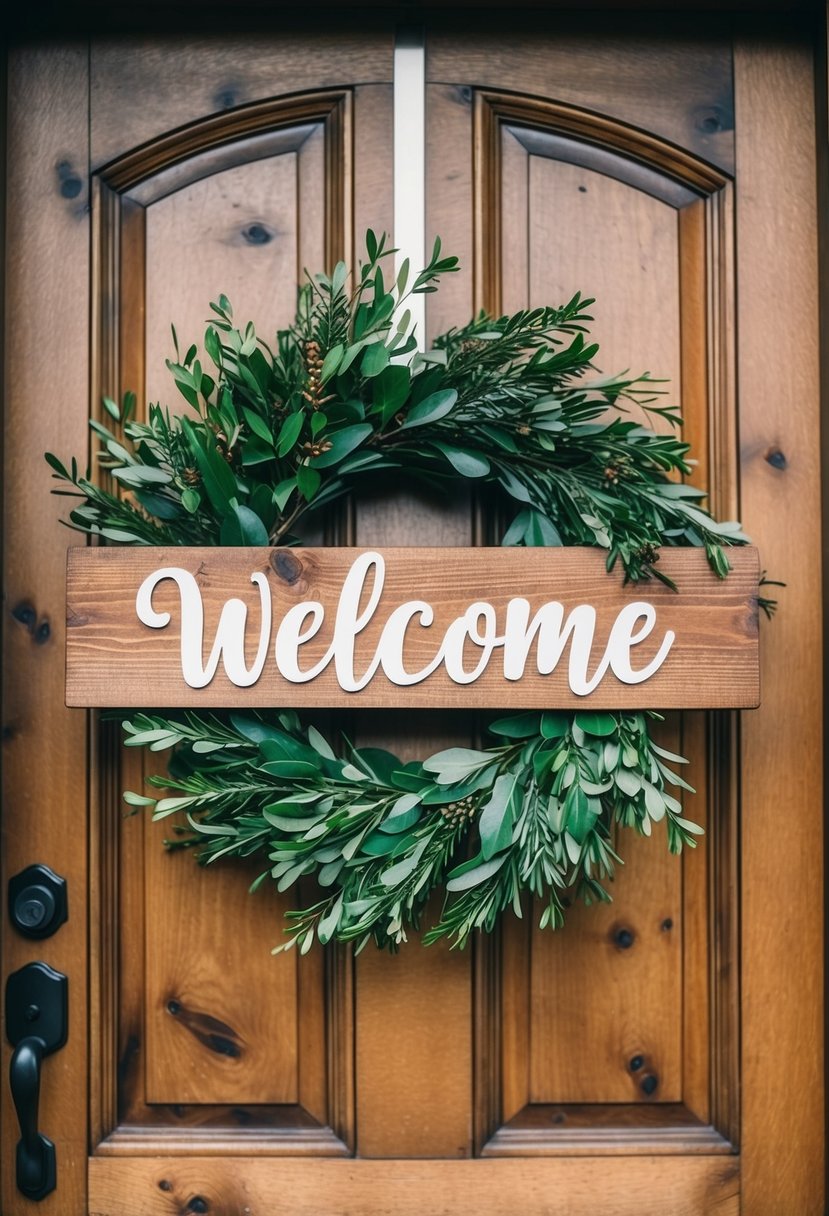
[37,901]
[37,1023]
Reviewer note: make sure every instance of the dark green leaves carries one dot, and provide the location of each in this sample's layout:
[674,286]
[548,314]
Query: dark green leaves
[468,464]
[289,433]
[241,527]
[431,409]
[342,443]
[596,724]
[282,428]
[218,480]
[390,390]
[535,813]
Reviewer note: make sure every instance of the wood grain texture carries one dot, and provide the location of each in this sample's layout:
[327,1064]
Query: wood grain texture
[413,1032]
[221,1012]
[233,233]
[782,938]
[633,1186]
[631,271]
[195,77]
[607,1128]
[414,1051]
[625,1001]
[565,198]
[113,659]
[238,203]
[45,395]
[614,69]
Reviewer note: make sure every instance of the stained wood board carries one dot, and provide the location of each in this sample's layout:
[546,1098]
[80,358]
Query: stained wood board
[114,659]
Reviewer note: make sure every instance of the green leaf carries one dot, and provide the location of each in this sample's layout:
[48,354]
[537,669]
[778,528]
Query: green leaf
[596,724]
[242,527]
[521,726]
[555,725]
[141,474]
[258,425]
[331,362]
[320,744]
[283,492]
[497,816]
[290,769]
[168,806]
[472,875]
[343,442]
[540,531]
[654,802]
[328,924]
[431,409]
[468,464]
[112,408]
[190,500]
[256,451]
[132,799]
[157,505]
[375,359]
[390,390]
[629,783]
[581,812]
[404,814]
[308,480]
[219,482]
[396,874]
[455,763]
[289,433]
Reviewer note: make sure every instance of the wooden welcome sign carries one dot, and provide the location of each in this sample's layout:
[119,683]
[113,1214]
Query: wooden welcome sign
[467,628]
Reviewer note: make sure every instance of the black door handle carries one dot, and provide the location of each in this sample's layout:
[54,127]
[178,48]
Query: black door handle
[36,1172]
[36,1024]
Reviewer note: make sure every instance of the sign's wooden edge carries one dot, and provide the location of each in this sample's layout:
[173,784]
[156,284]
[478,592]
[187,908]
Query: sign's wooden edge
[746,557]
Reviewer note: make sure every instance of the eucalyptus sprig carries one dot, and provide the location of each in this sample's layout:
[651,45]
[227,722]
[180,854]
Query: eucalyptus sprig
[533,813]
[513,402]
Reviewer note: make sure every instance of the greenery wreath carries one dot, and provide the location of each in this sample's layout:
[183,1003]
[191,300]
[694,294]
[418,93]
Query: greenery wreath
[277,435]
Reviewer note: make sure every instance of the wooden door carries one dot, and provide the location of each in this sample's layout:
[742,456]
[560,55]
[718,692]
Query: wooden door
[662,1054]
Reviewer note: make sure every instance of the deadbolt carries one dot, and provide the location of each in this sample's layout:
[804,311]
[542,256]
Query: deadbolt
[37,901]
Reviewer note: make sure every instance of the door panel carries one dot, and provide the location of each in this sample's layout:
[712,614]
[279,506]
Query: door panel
[567,199]
[218,1039]
[603,1061]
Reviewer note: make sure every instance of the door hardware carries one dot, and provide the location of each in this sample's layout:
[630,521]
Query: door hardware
[37,901]
[36,1025]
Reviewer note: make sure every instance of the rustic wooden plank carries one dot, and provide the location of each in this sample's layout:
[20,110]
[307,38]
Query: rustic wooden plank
[44,745]
[633,1186]
[115,659]
[782,746]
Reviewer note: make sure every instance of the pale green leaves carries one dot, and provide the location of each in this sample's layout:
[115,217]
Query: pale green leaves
[498,815]
[534,813]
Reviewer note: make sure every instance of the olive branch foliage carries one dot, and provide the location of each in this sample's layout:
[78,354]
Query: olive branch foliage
[280,433]
[276,433]
[379,835]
